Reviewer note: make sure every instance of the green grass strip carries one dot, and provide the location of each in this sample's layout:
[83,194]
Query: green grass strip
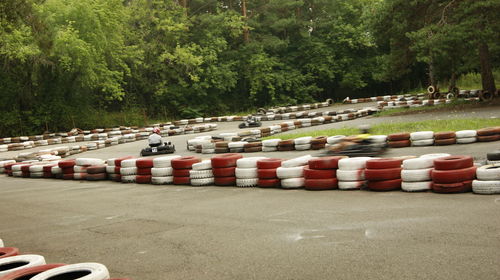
[389,128]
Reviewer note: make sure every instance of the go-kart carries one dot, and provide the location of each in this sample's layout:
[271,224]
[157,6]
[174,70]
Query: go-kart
[247,124]
[362,149]
[166,148]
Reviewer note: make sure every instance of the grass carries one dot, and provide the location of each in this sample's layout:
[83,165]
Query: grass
[389,128]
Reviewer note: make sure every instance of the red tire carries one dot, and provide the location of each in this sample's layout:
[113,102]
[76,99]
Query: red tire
[447,141]
[95,169]
[325,163]
[184,162]
[118,161]
[488,138]
[453,162]
[269,183]
[8,252]
[453,176]
[385,185]
[488,131]
[224,171]
[444,135]
[68,176]
[399,143]
[383,163]
[48,175]
[144,179]
[268,173]
[382,174]
[180,172]
[117,170]
[96,177]
[319,173]
[225,160]
[144,163]
[29,272]
[26,168]
[67,170]
[224,181]
[321,184]
[269,163]
[398,136]
[459,187]
[48,168]
[144,171]
[66,163]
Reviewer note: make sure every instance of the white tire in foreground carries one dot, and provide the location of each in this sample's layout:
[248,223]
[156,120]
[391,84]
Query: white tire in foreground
[353,163]
[128,178]
[91,271]
[303,140]
[110,169]
[351,175]
[128,163]
[162,180]
[424,142]
[245,173]
[89,161]
[290,172]
[161,171]
[418,163]
[292,183]
[466,134]
[128,171]
[14,263]
[351,185]
[270,142]
[421,135]
[416,175]
[202,181]
[467,140]
[335,139]
[246,183]
[299,161]
[486,187]
[163,161]
[248,162]
[201,174]
[488,172]
[1,243]
[416,186]
[203,165]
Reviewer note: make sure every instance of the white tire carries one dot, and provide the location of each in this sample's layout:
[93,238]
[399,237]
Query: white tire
[335,139]
[162,162]
[246,173]
[245,183]
[418,163]
[200,174]
[128,178]
[56,170]
[125,171]
[303,140]
[269,149]
[208,145]
[79,169]
[96,272]
[248,162]
[299,161]
[202,181]
[416,186]
[466,134]
[351,175]
[416,175]
[36,174]
[270,143]
[420,143]
[421,135]
[238,144]
[161,171]
[434,156]
[208,151]
[467,140]
[488,172]
[353,163]
[89,161]
[290,172]
[110,162]
[351,185]
[1,243]
[17,167]
[292,183]
[21,261]
[4,162]
[110,169]
[203,165]
[17,173]
[486,187]
[162,180]
[303,147]
[36,168]
[378,138]
[128,163]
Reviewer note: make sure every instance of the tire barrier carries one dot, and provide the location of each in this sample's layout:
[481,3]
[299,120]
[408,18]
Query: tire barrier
[422,138]
[29,272]
[201,173]
[223,168]
[162,171]
[14,263]
[453,174]
[246,172]
[90,271]
[266,173]
[321,174]
[291,172]
[351,173]
[383,174]
[181,167]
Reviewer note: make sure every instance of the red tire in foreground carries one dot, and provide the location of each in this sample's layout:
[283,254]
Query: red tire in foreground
[143,179]
[269,183]
[184,162]
[453,176]
[461,187]
[321,184]
[319,173]
[144,163]
[225,160]
[224,181]
[269,163]
[6,252]
[453,162]
[383,163]
[224,171]
[382,174]
[182,181]
[269,173]
[386,185]
[325,162]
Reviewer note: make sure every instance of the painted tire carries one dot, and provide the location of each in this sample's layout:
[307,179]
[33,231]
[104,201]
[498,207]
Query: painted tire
[161,171]
[488,131]
[353,163]
[295,162]
[321,184]
[444,142]
[96,177]
[416,175]
[488,172]
[319,173]
[86,271]
[383,163]
[384,185]
[184,162]
[225,160]
[269,163]
[246,182]
[460,187]
[118,161]
[66,163]
[128,163]
[144,171]
[325,162]
[248,162]
[444,135]
[14,263]
[453,176]
[268,173]
[486,187]
[164,162]
[95,169]
[268,183]
[162,180]
[144,163]
[29,272]
[351,185]
[292,183]
[351,175]
[245,173]
[382,174]
[398,136]
[290,172]
[180,172]
[224,171]
[181,180]
[225,181]
[6,252]
[453,162]
[203,165]
[489,138]
[399,144]
[416,186]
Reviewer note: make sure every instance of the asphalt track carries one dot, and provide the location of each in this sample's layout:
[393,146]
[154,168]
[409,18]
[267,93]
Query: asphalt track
[180,232]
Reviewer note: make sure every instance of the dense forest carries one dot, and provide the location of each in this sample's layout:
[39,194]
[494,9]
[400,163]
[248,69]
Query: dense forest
[85,63]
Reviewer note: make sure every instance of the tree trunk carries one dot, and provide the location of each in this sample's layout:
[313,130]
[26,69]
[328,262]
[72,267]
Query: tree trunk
[246,35]
[487,79]
[432,77]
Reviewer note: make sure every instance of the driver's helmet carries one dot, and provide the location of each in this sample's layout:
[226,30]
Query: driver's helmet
[364,129]
[156,130]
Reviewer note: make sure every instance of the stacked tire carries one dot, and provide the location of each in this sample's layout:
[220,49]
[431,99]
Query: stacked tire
[270,145]
[181,167]
[266,172]
[223,168]
[221,147]
[252,147]
[128,170]
[466,136]
[383,174]
[246,172]
[488,134]
[3,163]
[488,179]
[453,174]
[416,173]
[422,138]
[445,138]
[36,170]
[286,145]
[47,170]
[82,165]
[398,140]
[321,174]
[302,143]
[291,172]
[351,173]
[112,170]
[161,173]
[67,170]
[201,173]
[237,147]
[318,143]
[144,166]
